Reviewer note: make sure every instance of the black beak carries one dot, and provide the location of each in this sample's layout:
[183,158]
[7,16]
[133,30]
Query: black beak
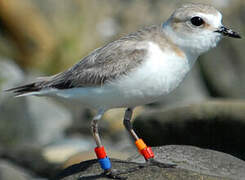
[228,32]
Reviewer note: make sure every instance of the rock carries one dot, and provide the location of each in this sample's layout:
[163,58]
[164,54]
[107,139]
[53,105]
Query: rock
[14,114]
[224,75]
[60,151]
[31,159]
[199,160]
[10,76]
[217,125]
[192,163]
[28,117]
[47,116]
[10,171]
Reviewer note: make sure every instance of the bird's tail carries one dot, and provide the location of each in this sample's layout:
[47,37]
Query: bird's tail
[25,90]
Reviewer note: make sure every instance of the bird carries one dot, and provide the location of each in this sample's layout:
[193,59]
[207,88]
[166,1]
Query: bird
[137,69]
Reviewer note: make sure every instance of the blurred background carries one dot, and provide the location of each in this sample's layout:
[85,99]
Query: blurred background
[40,38]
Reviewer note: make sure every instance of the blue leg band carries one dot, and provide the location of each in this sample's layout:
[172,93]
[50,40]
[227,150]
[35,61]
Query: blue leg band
[105,163]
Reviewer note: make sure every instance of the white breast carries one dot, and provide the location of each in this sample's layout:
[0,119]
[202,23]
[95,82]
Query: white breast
[160,73]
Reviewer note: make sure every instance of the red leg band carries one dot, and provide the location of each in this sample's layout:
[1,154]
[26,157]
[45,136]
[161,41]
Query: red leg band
[147,153]
[100,152]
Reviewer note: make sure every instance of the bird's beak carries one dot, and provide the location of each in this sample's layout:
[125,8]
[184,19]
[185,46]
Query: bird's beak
[228,32]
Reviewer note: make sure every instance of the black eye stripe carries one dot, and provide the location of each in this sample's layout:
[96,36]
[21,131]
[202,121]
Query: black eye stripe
[197,21]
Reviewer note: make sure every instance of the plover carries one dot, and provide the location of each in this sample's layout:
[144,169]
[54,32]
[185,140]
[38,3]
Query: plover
[136,69]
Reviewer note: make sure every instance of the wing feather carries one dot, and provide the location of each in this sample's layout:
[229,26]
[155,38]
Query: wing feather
[105,64]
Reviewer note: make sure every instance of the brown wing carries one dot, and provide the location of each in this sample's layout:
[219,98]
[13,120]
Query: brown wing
[102,65]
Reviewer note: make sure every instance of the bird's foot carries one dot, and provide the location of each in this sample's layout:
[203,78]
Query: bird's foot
[153,162]
[113,174]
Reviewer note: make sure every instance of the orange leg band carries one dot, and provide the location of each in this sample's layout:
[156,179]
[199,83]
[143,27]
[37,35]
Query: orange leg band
[143,149]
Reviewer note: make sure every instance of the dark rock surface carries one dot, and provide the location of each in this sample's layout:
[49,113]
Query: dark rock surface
[13,112]
[28,159]
[217,125]
[204,161]
[192,163]
[26,118]
[10,171]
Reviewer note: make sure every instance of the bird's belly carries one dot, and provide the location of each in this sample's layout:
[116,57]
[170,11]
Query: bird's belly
[147,89]
[141,87]
[127,92]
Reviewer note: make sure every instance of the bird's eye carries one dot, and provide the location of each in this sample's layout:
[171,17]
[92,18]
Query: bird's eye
[197,21]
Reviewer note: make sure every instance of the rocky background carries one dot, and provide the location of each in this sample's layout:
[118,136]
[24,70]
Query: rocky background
[39,136]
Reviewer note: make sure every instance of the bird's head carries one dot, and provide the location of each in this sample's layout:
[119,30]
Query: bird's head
[197,27]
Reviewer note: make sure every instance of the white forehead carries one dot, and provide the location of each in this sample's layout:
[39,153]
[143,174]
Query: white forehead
[213,20]
[209,14]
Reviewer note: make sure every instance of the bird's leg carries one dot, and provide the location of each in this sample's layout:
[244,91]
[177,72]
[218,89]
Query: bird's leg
[104,161]
[94,127]
[144,150]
